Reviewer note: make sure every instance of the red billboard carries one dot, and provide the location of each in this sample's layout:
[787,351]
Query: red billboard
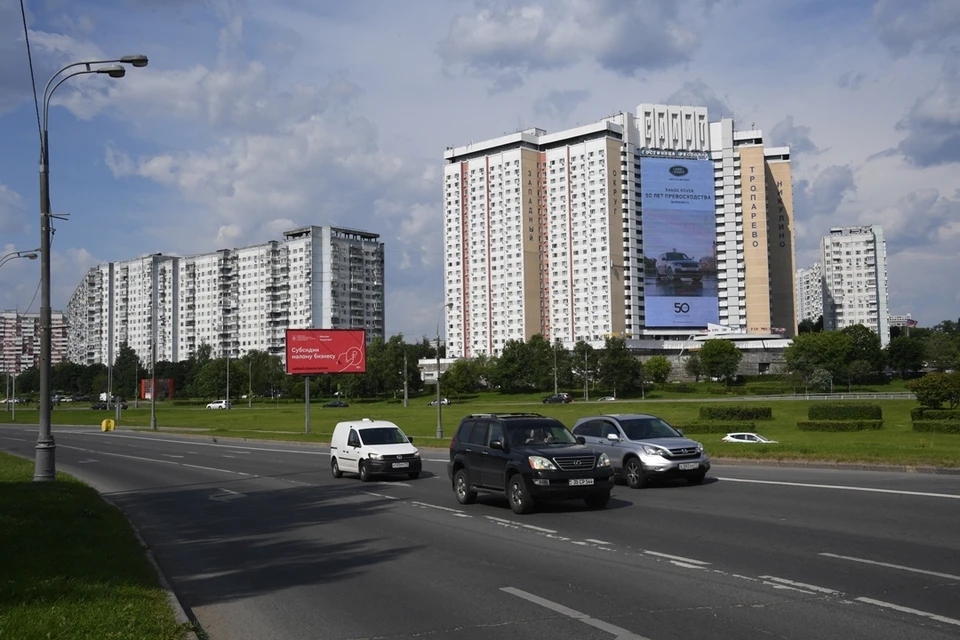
[315,351]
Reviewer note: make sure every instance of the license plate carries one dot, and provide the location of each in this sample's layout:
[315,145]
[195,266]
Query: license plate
[401,465]
[687,466]
[579,482]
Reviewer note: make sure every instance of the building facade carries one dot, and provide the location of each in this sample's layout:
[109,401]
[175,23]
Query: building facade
[234,300]
[809,286]
[20,340]
[643,227]
[854,262]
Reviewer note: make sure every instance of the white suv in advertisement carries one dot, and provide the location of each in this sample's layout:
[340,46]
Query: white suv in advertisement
[642,447]
[676,265]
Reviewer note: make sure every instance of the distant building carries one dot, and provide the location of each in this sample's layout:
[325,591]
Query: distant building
[809,286]
[854,263]
[235,300]
[20,340]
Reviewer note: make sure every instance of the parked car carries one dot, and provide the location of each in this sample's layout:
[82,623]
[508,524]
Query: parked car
[336,403]
[372,447]
[527,457]
[643,447]
[103,406]
[443,401]
[606,399]
[676,265]
[750,438]
[558,398]
[219,404]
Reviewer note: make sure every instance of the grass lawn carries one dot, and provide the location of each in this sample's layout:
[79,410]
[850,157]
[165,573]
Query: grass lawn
[72,567]
[896,443]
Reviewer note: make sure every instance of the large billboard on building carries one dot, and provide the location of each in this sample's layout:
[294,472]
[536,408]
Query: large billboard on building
[679,242]
[316,351]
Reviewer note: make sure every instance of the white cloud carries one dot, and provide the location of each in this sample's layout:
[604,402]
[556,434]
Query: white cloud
[933,124]
[12,214]
[927,25]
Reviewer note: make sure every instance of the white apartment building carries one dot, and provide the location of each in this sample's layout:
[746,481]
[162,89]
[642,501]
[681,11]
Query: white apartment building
[545,233]
[809,286]
[235,300]
[20,340]
[854,263]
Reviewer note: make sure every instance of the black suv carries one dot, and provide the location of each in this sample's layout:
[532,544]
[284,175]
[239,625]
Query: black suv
[528,457]
[558,398]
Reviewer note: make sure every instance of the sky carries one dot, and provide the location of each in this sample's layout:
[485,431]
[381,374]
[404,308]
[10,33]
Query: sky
[257,117]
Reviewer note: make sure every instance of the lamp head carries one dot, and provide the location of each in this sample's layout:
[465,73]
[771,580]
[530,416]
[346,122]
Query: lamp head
[113,70]
[449,305]
[29,256]
[137,60]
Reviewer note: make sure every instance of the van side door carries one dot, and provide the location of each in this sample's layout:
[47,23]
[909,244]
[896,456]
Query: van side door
[350,454]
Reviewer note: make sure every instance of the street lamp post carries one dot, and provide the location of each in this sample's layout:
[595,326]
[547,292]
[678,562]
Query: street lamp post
[29,255]
[449,305]
[45,463]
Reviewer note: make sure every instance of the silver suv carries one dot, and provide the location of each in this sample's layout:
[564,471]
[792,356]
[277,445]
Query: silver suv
[642,447]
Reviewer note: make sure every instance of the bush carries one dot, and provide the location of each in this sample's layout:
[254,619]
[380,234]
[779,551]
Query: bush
[844,411]
[715,427]
[937,426]
[766,389]
[925,413]
[839,425]
[735,412]
[189,403]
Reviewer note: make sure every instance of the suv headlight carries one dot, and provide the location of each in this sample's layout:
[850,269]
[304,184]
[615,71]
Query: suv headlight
[376,456]
[699,448]
[416,454]
[603,460]
[653,451]
[541,464]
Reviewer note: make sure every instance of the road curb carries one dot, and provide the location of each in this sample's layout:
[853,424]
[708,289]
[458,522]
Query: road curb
[179,612]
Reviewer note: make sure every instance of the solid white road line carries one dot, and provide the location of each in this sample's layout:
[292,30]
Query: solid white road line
[618,632]
[915,612]
[677,558]
[456,512]
[180,464]
[380,495]
[892,566]
[591,540]
[924,494]
[205,444]
[170,455]
[799,585]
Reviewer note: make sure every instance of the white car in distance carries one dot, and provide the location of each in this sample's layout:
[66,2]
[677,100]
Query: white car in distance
[219,404]
[749,438]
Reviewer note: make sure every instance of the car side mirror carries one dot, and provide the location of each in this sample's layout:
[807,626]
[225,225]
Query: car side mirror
[680,431]
[613,437]
[496,444]
[581,440]
[410,439]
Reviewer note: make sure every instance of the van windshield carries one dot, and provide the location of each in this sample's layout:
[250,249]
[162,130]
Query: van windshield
[382,435]
[647,428]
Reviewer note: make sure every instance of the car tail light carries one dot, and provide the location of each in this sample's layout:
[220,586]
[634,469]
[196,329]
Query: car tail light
[452,441]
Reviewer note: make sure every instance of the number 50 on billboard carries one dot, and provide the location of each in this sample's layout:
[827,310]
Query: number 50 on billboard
[316,351]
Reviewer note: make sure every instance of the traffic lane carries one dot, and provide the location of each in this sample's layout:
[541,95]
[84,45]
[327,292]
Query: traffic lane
[947,482]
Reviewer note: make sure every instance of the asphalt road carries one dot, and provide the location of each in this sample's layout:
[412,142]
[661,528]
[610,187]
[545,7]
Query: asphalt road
[260,542]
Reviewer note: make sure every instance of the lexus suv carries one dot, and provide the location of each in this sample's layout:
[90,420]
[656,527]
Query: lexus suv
[527,457]
[642,447]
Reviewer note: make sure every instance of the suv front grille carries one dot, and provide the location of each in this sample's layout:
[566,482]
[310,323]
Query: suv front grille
[575,463]
[684,452]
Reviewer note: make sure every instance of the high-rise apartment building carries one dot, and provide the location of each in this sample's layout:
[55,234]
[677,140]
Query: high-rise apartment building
[235,300]
[809,286]
[854,262]
[654,226]
[20,340]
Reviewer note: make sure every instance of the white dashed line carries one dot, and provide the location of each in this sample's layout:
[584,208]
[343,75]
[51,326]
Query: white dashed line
[915,612]
[618,632]
[600,542]
[393,484]
[456,512]
[924,494]
[677,558]
[170,455]
[380,495]
[541,529]
[892,566]
[802,586]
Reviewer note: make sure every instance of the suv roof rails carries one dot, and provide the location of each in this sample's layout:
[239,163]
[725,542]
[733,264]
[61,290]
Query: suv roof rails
[507,415]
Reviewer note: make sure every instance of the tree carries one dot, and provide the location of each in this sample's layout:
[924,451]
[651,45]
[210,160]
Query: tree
[658,369]
[619,370]
[693,367]
[462,377]
[513,372]
[126,371]
[828,350]
[865,346]
[905,354]
[810,326]
[857,371]
[936,389]
[584,363]
[720,359]
[940,350]
[820,380]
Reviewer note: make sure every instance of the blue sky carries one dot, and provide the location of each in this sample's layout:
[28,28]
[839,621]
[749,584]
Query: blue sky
[255,117]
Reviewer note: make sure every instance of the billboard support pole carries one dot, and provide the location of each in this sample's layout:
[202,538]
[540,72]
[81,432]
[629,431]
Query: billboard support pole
[306,403]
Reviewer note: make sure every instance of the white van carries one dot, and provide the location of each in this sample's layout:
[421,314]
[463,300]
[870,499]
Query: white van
[372,447]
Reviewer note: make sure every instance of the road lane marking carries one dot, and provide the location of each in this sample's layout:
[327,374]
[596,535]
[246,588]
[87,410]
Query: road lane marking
[87,461]
[380,495]
[231,457]
[591,540]
[181,464]
[799,585]
[170,455]
[246,453]
[677,558]
[393,484]
[901,492]
[226,495]
[197,466]
[892,566]
[541,529]
[915,612]
[206,444]
[456,512]
[618,632]
[437,460]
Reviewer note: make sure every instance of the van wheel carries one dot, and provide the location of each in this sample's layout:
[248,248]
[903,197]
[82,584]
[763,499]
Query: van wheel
[519,497]
[461,486]
[335,469]
[633,474]
[364,472]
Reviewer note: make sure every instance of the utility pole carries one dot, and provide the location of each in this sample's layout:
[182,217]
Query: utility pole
[406,395]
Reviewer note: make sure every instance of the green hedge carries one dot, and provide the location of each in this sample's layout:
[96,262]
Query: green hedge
[926,413]
[715,427]
[839,425]
[766,389]
[938,426]
[735,412]
[844,411]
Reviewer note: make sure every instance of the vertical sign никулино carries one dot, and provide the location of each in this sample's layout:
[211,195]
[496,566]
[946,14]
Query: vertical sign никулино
[679,242]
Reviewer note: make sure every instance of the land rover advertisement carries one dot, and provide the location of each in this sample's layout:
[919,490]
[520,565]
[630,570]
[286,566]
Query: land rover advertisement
[679,242]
